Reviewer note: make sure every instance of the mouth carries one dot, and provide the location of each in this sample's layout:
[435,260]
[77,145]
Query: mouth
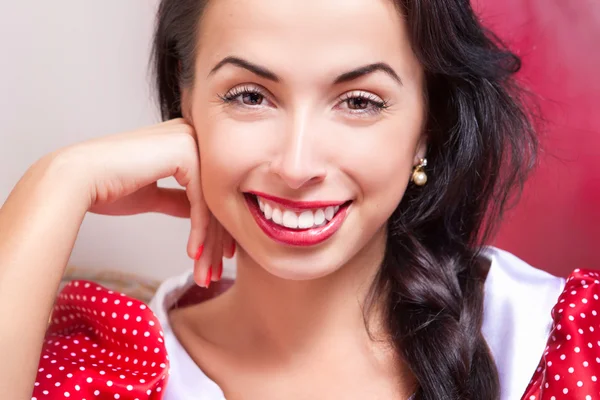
[294,223]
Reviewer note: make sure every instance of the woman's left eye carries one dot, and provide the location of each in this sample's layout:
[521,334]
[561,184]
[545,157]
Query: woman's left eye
[362,102]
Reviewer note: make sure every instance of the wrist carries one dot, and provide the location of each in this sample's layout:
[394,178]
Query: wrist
[61,175]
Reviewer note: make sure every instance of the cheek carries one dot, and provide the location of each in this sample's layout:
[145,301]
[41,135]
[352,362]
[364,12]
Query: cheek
[381,162]
[229,151]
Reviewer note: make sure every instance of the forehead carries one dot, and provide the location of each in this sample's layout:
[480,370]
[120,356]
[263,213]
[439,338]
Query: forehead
[316,35]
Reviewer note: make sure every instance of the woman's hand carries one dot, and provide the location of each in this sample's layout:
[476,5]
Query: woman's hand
[40,220]
[120,174]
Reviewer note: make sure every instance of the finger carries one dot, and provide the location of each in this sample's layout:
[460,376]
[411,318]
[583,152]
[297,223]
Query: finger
[172,202]
[217,259]
[188,175]
[203,265]
[149,199]
[228,244]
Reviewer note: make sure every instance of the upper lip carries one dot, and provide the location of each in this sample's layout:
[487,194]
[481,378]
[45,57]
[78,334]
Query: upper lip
[298,205]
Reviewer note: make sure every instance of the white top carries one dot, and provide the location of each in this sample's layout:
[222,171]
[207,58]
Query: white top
[516,325]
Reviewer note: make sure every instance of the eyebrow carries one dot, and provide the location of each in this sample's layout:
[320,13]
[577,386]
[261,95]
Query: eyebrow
[343,78]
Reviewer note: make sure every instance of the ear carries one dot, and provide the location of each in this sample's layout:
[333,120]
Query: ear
[421,149]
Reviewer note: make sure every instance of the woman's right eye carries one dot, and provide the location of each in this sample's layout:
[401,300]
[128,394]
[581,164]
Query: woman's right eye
[247,96]
[252,99]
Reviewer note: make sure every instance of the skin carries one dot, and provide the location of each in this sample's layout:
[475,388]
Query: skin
[295,312]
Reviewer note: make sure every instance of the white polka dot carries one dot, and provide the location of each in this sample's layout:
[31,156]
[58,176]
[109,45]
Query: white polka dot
[577,349]
[146,334]
[109,383]
[562,356]
[67,394]
[89,380]
[126,316]
[585,364]
[557,377]
[594,378]
[565,390]
[571,369]
[96,392]
[579,383]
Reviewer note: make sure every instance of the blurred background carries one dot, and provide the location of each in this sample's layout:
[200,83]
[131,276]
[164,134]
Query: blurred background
[72,70]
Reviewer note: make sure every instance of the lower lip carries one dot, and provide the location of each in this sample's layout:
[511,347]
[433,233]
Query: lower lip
[297,237]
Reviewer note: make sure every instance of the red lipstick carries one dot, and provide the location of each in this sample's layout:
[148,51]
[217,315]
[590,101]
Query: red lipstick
[297,237]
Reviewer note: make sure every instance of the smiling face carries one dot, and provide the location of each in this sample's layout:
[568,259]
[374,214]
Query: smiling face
[310,117]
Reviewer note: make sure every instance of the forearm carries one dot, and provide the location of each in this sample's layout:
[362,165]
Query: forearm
[38,226]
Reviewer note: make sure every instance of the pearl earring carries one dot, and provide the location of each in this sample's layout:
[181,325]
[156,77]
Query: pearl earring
[419,177]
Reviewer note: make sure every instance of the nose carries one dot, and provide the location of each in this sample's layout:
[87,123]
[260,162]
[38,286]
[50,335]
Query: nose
[299,160]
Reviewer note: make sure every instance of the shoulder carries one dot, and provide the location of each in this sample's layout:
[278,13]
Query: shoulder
[517,322]
[571,361]
[101,343]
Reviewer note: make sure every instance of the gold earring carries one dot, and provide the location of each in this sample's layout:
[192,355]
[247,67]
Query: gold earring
[419,177]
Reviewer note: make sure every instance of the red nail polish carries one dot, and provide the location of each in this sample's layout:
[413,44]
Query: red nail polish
[220,273]
[208,276]
[199,252]
[233,249]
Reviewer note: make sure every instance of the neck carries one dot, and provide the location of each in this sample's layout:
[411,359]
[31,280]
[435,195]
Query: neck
[287,315]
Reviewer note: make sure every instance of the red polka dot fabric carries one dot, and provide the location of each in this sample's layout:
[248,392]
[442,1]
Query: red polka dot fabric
[101,345]
[570,366]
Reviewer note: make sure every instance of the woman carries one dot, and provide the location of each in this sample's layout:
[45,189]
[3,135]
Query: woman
[359,153]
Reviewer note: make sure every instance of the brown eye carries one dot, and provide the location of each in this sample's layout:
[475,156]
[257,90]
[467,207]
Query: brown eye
[252,99]
[358,103]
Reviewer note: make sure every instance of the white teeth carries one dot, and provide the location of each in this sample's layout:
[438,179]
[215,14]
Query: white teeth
[277,216]
[268,210]
[290,219]
[329,213]
[306,220]
[319,217]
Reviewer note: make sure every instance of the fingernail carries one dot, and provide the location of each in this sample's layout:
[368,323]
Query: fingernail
[199,252]
[220,273]
[233,249]
[208,277]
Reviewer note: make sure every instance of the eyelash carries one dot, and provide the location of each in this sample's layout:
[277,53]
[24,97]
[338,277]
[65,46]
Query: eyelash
[376,102]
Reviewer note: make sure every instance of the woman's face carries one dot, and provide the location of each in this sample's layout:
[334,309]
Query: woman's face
[309,116]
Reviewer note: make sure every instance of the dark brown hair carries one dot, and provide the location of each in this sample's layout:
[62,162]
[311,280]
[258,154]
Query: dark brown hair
[481,146]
